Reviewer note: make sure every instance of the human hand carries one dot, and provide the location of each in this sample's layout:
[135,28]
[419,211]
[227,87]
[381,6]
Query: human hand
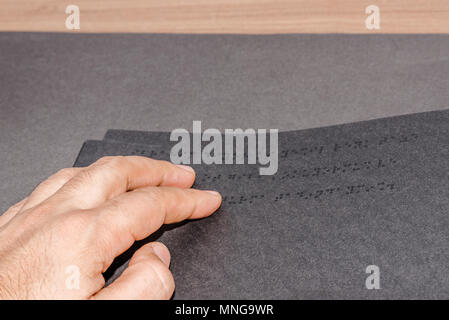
[80,219]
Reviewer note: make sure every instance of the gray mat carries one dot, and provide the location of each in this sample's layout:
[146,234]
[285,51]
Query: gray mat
[57,90]
[345,197]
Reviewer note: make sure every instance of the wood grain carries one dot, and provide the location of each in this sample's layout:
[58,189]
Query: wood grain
[227,16]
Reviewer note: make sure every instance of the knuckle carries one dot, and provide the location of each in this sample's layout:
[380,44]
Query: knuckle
[107,168]
[147,194]
[43,185]
[154,196]
[116,161]
[66,173]
[103,160]
[116,213]
[110,161]
[114,205]
[78,183]
[86,176]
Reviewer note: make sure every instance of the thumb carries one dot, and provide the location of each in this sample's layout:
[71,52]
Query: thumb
[146,277]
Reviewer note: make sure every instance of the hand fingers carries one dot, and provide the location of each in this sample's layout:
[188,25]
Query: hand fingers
[48,187]
[11,212]
[137,214]
[112,176]
[146,277]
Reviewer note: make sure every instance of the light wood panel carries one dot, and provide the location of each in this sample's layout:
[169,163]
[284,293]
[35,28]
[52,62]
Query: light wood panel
[227,16]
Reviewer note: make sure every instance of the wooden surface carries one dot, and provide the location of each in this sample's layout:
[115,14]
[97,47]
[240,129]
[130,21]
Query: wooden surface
[227,16]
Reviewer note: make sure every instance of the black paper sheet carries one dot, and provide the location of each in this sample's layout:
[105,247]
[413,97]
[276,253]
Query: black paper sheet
[344,198]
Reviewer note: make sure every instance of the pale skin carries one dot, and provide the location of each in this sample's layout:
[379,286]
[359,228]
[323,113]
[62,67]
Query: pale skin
[83,218]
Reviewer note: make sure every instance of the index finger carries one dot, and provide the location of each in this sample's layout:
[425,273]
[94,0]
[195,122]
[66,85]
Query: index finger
[137,214]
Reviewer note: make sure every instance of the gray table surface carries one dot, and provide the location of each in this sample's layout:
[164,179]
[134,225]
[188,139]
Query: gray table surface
[57,90]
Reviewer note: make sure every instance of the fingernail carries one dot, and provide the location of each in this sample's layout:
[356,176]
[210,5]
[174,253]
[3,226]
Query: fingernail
[214,202]
[162,252]
[215,193]
[187,168]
